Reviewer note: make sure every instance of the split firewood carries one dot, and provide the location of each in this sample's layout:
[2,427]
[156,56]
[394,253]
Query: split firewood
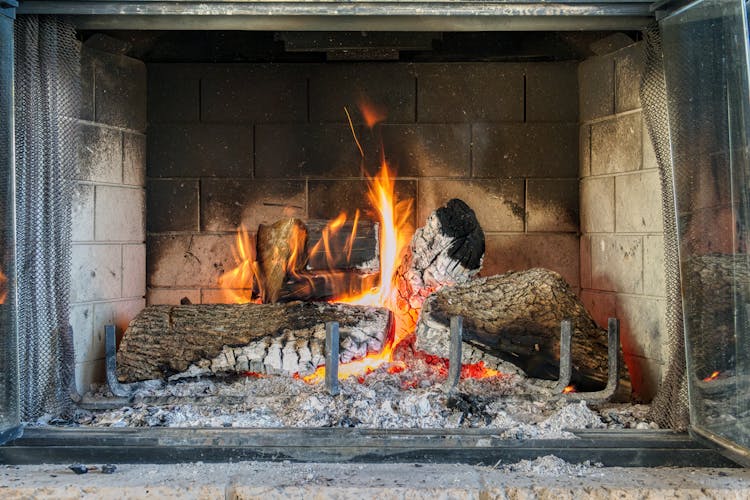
[516,317]
[447,250]
[281,251]
[351,245]
[164,341]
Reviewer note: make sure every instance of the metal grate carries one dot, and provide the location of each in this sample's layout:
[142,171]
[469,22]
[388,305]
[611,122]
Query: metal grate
[47,87]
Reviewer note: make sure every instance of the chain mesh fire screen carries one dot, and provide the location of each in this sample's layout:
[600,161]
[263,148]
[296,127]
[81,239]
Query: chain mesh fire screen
[47,91]
[670,406]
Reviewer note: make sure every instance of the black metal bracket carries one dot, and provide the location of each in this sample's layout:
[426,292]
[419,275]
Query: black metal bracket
[613,363]
[566,370]
[110,351]
[332,358]
[8,8]
[454,360]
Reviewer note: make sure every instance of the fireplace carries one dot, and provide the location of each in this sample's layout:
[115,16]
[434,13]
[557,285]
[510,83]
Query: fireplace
[188,135]
[232,144]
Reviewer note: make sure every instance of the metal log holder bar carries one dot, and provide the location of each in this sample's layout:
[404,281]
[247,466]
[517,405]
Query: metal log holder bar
[454,367]
[614,363]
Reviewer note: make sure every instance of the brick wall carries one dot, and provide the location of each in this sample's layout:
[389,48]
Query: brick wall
[231,144]
[109,254]
[622,259]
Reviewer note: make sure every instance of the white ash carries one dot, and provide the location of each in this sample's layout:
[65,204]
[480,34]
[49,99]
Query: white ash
[550,465]
[427,267]
[432,265]
[518,407]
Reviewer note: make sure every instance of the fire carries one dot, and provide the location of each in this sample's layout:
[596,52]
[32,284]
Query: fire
[238,283]
[569,389]
[712,377]
[3,287]
[394,217]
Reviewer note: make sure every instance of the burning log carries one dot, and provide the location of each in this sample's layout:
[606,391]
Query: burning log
[315,260]
[516,317]
[326,285]
[447,250]
[163,341]
[348,245]
[281,251]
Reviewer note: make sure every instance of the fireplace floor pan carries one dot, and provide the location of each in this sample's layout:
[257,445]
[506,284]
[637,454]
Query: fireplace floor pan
[627,448]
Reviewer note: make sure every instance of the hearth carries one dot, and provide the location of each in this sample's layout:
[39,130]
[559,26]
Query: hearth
[233,167]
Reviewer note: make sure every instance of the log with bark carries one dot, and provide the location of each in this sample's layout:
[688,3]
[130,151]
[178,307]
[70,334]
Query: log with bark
[516,317]
[446,251]
[307,261]
[281,251]
[164,341]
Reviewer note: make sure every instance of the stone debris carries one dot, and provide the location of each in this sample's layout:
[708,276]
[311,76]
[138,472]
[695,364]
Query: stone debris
[78,468]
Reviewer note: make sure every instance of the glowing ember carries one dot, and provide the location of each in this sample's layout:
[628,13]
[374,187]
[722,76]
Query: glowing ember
[3,287]
[712,377]
[569,389]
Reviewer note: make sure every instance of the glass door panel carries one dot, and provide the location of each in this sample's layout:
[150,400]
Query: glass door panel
[706,68]
[9,409]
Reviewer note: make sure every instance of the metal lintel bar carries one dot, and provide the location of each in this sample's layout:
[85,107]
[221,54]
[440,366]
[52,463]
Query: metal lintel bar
[380,15]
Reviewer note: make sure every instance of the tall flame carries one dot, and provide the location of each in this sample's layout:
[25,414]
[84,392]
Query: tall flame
[238,283]
[3,287]
[394,217]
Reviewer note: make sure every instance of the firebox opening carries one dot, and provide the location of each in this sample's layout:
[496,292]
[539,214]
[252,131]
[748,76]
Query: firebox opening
[188,136]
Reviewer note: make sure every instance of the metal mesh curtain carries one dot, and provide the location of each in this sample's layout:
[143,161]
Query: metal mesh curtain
[47,88]
[670,406]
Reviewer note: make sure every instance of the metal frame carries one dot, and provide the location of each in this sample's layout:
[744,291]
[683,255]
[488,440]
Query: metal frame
[12,428]
[625,448]
[373,15]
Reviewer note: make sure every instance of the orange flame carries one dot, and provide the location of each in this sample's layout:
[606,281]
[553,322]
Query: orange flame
[371,113]
[569,389]
[3,287]
[713,376]
[395,234]
[238,283]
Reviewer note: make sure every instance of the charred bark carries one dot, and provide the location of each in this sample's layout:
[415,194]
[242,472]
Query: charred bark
[447,250]
[516,317]
[163,341]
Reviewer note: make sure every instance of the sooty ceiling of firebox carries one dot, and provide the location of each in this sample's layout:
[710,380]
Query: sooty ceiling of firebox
[266,46]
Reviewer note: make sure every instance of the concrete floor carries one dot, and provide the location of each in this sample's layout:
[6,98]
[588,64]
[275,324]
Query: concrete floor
[267,481]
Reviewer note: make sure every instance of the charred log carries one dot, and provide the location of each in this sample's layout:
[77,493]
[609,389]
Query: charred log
[350,246]
[163,341]
[326,285]
[447,250]
[516,317]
